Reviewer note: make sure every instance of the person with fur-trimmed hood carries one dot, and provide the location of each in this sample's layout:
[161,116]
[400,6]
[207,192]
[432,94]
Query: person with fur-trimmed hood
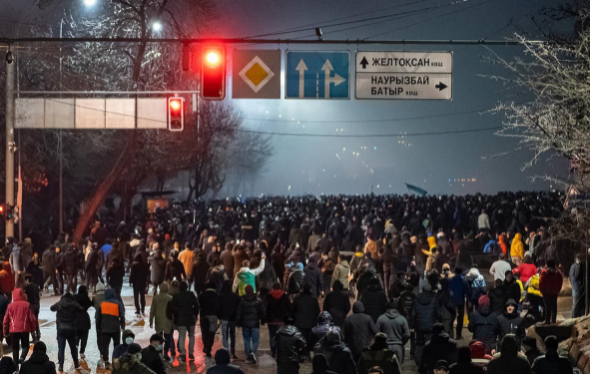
[130,362]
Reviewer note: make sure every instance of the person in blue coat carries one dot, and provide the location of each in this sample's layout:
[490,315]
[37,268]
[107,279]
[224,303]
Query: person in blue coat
[459,293]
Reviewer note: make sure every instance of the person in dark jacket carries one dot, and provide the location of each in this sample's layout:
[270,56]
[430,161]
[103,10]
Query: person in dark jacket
[338,354]
[551,362]
[110,320]
[359,330]
[67,309]
[115,275]
[185,309]
[295,280]
[174,268]
[374,299]
[60,267]
[440,347]
[83,323]
[35,270]
[578,286]
[227,306]
[395,326]
[130,362]
[511,286]
[313,277]
[378,355]
[464,364]
[509,360]
[424,316]
[91,267]
[405,307]
[138,280]
[39,362]
[305,310]
[337,303]
[208,303]
[222,364]
[277,309]
[33,293]
[7,366]
[249,317]
[151,355]
[531,351]
[482,324]
[71,268]
[325,324]
[320,365]
[459,293]
[510,322]
[497,297]
[289,344]
[365,274]
[121,349]
[158,268]
[200,271]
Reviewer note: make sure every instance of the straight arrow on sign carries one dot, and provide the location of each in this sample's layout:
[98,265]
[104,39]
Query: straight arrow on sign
[301,68]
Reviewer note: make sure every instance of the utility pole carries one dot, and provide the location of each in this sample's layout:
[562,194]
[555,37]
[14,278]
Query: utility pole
[10,145]
[60,140]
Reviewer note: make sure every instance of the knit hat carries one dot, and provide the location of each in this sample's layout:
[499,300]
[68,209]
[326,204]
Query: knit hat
[40,347]
[133,348]
[511,302]
[484,300]
[477,349]
[249,290]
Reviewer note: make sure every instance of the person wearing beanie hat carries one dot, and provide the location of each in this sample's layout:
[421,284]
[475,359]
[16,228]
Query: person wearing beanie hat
[510,322]
[151,355]
[249,316]
[378,354]
[38,363]
[222,364]
[478,352]
[185,308]
[531,351]
[482,323]
[464,365]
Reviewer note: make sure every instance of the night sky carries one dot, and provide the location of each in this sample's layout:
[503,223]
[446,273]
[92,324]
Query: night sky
[348,165]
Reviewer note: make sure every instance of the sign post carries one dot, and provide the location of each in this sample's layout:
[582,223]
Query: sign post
[404,75]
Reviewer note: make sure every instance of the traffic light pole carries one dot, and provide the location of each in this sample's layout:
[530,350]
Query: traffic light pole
[9,176]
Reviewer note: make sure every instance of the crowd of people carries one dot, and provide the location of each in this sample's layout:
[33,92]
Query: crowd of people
[344,281]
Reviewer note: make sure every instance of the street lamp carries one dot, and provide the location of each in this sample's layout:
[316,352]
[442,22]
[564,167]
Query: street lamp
[157,26]
[89,3]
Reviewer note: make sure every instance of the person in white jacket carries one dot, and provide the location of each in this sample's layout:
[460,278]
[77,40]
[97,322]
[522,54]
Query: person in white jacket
[247,277]
[500,267]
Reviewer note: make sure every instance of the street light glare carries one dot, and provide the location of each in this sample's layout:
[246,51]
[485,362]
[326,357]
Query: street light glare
[213,58]
[157,26]
[89,3]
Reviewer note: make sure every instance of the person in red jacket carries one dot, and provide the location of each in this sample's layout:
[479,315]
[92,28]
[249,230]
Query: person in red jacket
[6,279]
[550,283]
[19,321]
[526,269]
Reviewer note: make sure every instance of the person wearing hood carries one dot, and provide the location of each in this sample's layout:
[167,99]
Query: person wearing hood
[163,324]
[341,272]
[338,354]
[497,296]
[477,287]
[526,269]
[374,299]
[509,360]
[67,310]
[492,247]
[337,303]
[19,322]
[7,280]
[138,279]
[512,287]
[482,323]
[395,326]
[98,298]
[38,363]
[185,309]
[249,317]
[130,362]
[247,277]
[424,315]
[227,306]
[174,268]
[208,302]
[151,355]
[551,362]
[305,310]
[531,351]
[289,344]
[359,329]
[464,365]
[277,309]
[222,364]
[83,323]
[440,347]
[110,320]
[158,268]
[325,324]
[313,276]
[378,355]
[517,249]
[550,283]
[503,245]
[121,349]
[217,275]
[510,322]
[296,279]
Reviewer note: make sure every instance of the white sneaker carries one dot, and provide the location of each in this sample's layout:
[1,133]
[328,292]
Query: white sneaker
[254,360]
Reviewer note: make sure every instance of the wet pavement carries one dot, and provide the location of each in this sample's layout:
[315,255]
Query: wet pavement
[142,331]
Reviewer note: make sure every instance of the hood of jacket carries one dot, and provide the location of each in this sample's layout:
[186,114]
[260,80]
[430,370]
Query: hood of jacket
[475,273]
[6,266]
[509,346]
[344,263]
[392,314]
[39,358]
[109,294]
[425,298]
[127,333]
[358,307]
[245,275]
[18,295]
[324,318]
[288,330]
[276,294]
[100,287]
[312,265]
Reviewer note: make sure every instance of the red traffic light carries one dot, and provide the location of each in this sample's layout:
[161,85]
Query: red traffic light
[1,209]
[175,104]
[213,73]
[175,113]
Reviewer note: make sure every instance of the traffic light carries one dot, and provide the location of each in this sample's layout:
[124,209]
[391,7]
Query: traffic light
[175,113]
[8,212]
[2,211]
[213,73]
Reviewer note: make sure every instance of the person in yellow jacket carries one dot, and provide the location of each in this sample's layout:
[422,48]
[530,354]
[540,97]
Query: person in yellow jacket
[187,258]
[517,249]
[535,297]
[431,244]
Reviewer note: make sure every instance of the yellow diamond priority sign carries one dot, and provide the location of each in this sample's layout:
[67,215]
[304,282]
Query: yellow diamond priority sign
[256,74]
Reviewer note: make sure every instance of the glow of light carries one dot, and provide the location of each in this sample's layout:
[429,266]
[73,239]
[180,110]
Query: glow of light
[324,170]
[89,3]
[213,58]
[335,176]
[157,26]
[175,104]
[267,112]
[289,188]
[343,149]
[280,116]
[375,148]
[378,186]
[293,119]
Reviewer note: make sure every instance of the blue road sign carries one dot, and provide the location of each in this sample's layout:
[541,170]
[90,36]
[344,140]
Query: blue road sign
[317,75]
